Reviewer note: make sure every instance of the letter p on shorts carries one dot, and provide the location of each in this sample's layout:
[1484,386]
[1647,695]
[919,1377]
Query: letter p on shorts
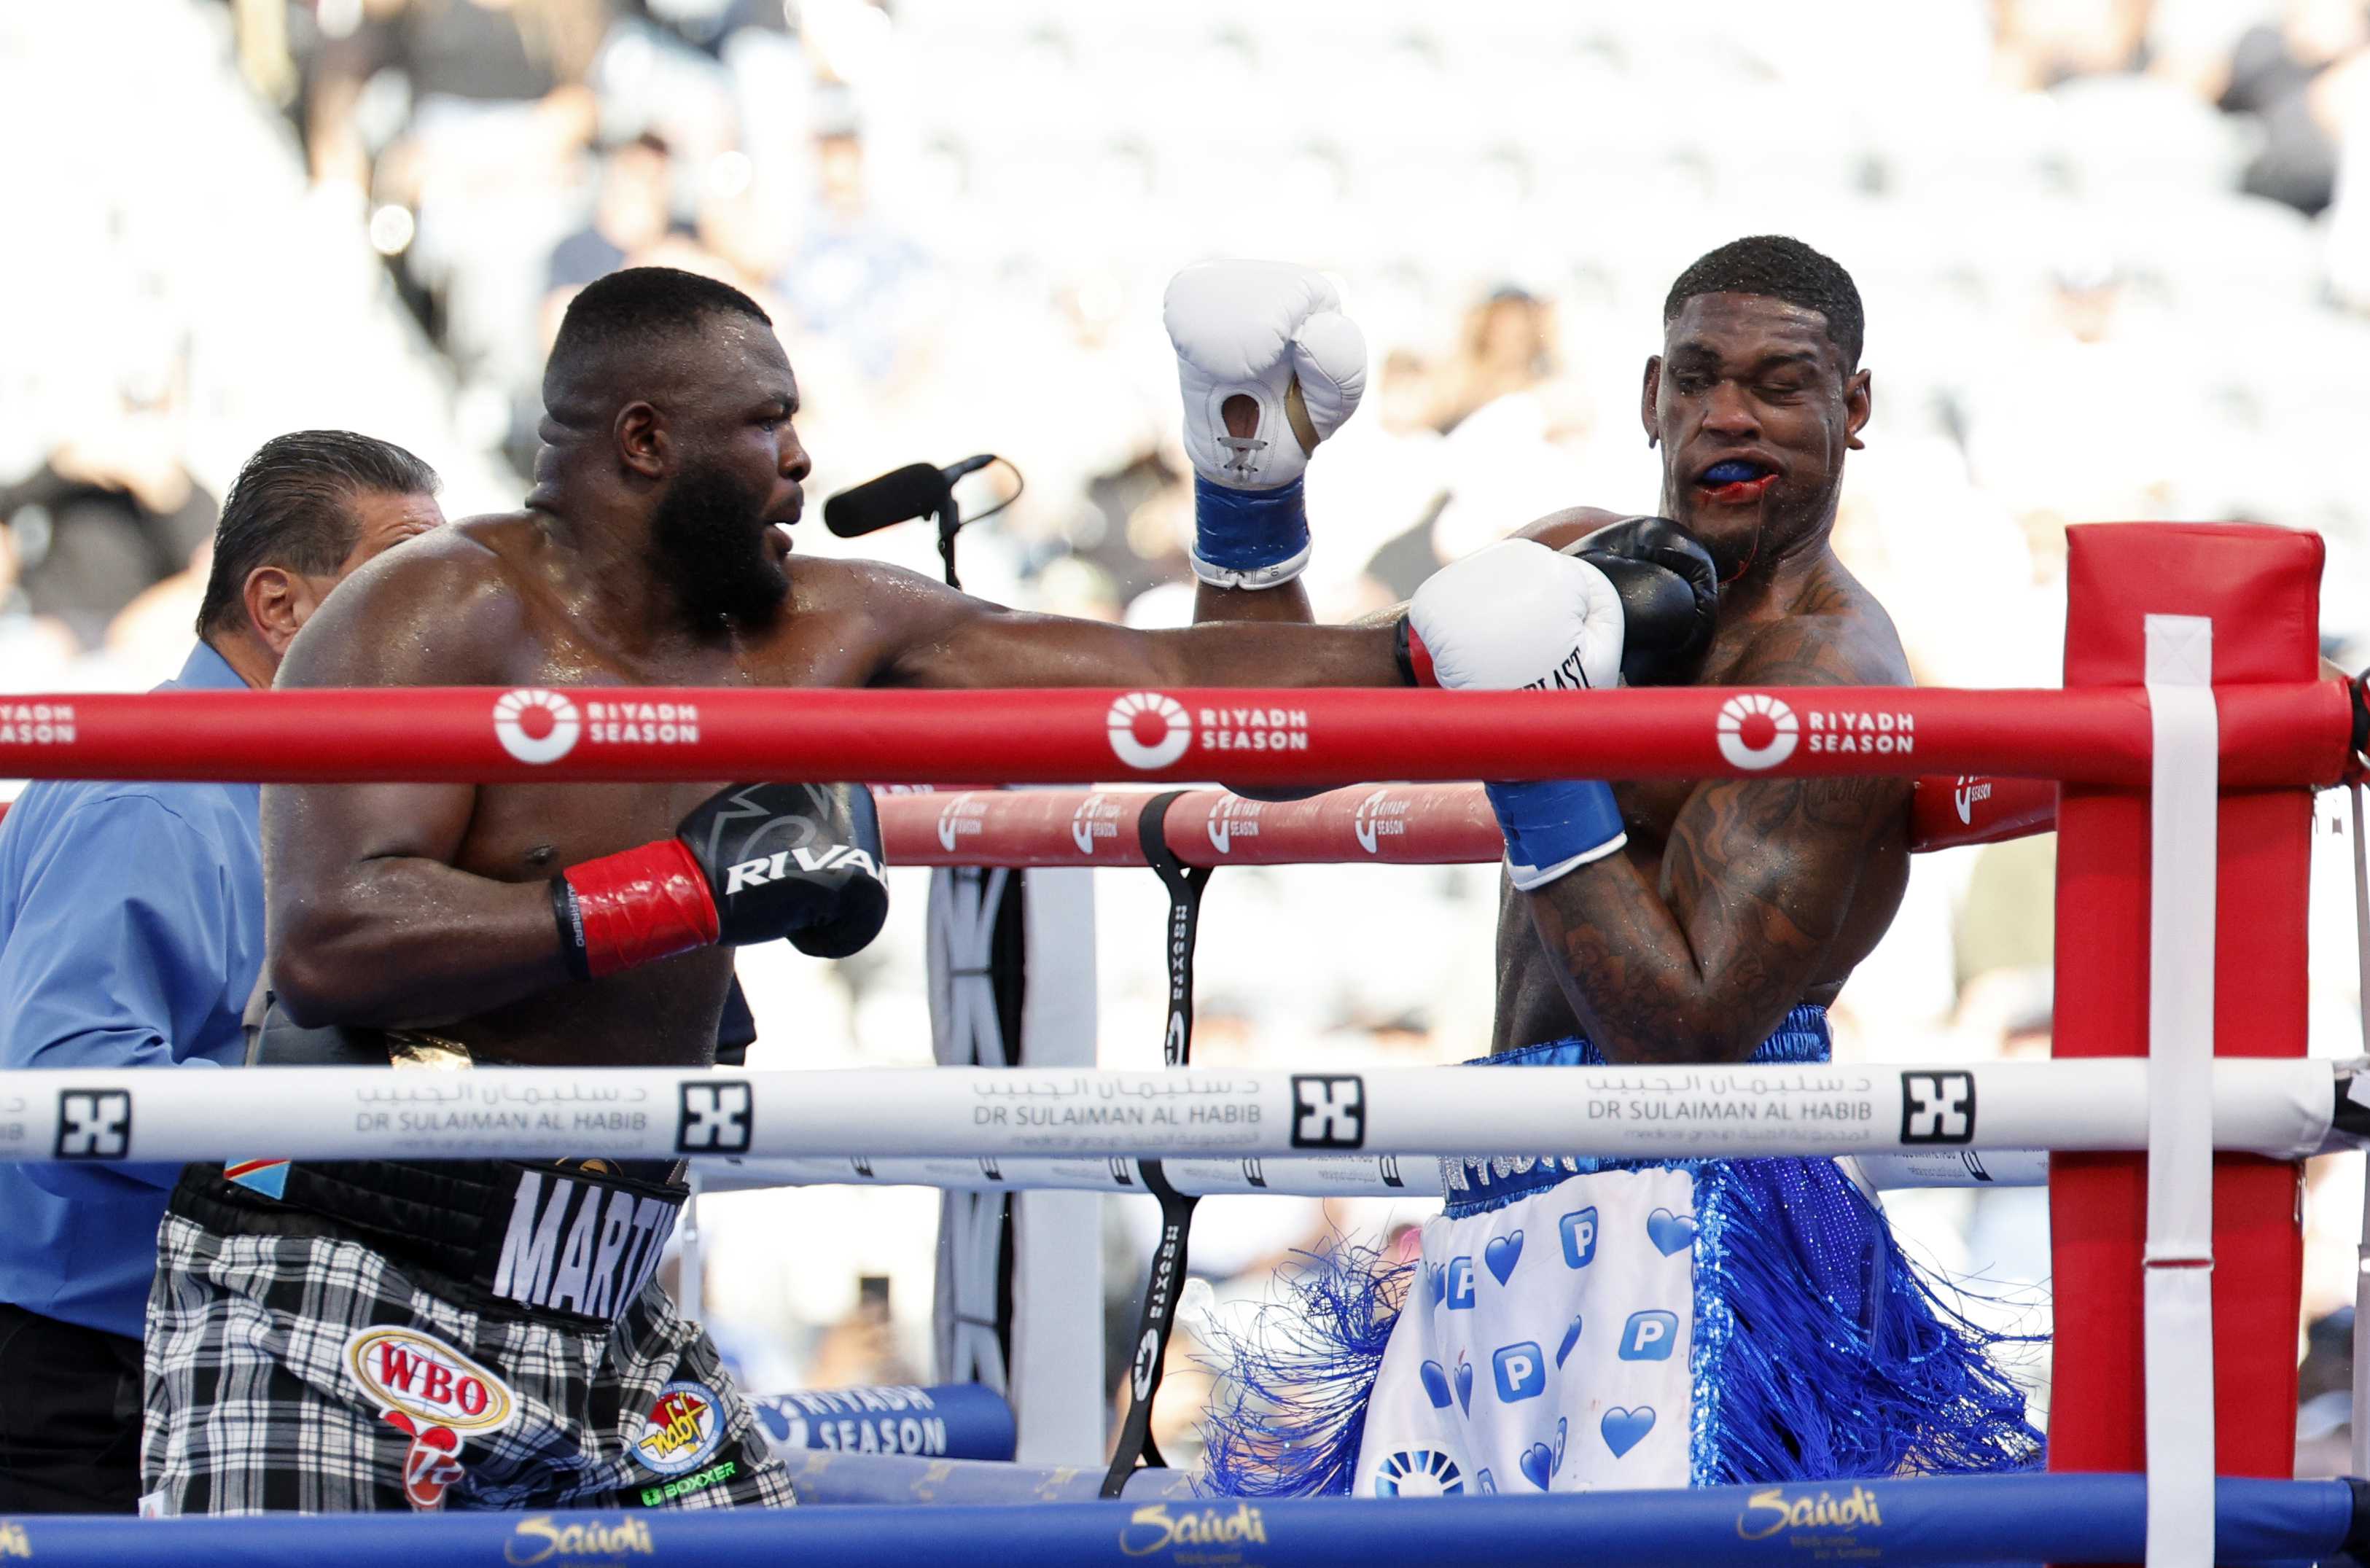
[1649,1336]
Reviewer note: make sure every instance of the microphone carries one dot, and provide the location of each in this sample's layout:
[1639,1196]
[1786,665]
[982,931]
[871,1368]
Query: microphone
[917,490]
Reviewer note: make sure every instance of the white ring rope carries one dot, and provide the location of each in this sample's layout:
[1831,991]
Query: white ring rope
[1337,1176]
[2283,1109]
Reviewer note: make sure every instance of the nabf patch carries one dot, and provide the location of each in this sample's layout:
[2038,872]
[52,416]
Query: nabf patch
[683,1430]
[432,1394]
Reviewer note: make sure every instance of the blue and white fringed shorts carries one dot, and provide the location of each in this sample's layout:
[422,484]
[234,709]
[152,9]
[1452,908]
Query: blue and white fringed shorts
[1584,1323]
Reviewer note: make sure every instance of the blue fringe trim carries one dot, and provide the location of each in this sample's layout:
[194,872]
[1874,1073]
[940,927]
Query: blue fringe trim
[1790,1379]
[1795,1384]
[1290,1407]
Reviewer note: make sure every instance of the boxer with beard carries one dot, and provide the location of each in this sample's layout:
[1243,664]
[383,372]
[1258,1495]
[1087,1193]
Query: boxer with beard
[1650,923]
[357,1334]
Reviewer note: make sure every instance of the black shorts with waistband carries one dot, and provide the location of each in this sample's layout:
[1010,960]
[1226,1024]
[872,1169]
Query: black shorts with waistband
[572,1241]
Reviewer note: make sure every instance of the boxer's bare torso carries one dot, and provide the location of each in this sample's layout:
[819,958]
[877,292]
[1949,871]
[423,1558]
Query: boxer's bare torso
[427,907]
[1736,899]
[489,603]
[1824,628]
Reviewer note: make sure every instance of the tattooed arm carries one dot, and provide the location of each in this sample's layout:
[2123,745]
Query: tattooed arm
[1757,882]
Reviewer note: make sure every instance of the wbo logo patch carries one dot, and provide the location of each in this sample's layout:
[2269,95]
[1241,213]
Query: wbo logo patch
[427,1380]
[682,1431]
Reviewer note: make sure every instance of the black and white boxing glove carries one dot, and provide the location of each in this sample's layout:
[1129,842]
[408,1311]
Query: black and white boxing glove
[1636,600]
[1520,617]
[749,864]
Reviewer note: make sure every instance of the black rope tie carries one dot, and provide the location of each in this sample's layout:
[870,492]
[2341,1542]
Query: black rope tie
[1166,1280]
[1185,884]
[1152,1328]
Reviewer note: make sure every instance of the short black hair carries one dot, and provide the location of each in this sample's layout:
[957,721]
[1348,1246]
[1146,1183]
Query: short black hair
[291,507]
[634,312]
[1780,267]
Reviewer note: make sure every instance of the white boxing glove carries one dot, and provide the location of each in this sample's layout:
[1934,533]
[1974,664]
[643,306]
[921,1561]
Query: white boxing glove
[1516,616]
[1272,334]
[1520,617]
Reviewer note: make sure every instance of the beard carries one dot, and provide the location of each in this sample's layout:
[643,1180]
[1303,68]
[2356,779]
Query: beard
[708,545]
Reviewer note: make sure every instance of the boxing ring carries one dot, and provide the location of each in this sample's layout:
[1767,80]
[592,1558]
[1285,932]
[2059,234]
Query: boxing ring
[2184,750]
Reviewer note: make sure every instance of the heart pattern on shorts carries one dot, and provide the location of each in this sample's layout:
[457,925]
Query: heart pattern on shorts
[1571,1338]
[1539,1465]
[1669,1232]
[1625,1429]
[1435,1384]
[1465,1386]
[1503,1253]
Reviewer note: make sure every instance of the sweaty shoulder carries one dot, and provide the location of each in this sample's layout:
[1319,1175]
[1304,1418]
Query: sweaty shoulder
[854,619]
[441,609]
[1836,633]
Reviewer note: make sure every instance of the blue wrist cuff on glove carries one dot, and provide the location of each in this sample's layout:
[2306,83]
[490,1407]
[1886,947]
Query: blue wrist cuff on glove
[1249,538]
[1554,825]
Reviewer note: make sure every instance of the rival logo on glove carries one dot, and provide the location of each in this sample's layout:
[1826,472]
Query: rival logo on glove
[774,866]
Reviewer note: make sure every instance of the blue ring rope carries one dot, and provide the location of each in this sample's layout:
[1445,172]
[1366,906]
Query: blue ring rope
[2017,1519]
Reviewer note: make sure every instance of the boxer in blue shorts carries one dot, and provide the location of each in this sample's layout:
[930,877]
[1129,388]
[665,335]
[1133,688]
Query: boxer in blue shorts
[1572,1324]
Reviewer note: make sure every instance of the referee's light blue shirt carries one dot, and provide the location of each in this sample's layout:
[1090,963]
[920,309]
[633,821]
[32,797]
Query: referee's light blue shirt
[130,936]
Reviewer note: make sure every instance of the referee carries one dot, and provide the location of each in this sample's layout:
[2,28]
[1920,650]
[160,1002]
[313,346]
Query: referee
[130,936]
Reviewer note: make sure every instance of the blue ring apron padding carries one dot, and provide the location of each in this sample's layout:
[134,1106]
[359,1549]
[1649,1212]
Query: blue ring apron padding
[1921,1520]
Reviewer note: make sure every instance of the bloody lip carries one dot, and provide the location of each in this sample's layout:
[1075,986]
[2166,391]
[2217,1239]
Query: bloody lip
[1738,493]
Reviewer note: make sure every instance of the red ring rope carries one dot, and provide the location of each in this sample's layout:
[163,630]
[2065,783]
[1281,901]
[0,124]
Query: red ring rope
[1392,824]
[2273,734]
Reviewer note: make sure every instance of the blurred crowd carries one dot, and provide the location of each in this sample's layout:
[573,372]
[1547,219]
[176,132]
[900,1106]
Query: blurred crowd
[2115,255]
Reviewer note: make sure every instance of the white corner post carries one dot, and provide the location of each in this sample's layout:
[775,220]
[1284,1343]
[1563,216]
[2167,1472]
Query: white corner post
[2178,1344]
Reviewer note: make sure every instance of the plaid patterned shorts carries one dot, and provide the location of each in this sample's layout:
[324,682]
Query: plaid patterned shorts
[310,1374]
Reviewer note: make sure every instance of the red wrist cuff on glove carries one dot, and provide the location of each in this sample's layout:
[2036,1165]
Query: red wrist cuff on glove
[1419,659]
[638,906]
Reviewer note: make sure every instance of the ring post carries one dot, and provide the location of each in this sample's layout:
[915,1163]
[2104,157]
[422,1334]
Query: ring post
[2260,588]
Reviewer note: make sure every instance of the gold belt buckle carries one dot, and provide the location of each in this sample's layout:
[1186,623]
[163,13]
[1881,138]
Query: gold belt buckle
[432,1051]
